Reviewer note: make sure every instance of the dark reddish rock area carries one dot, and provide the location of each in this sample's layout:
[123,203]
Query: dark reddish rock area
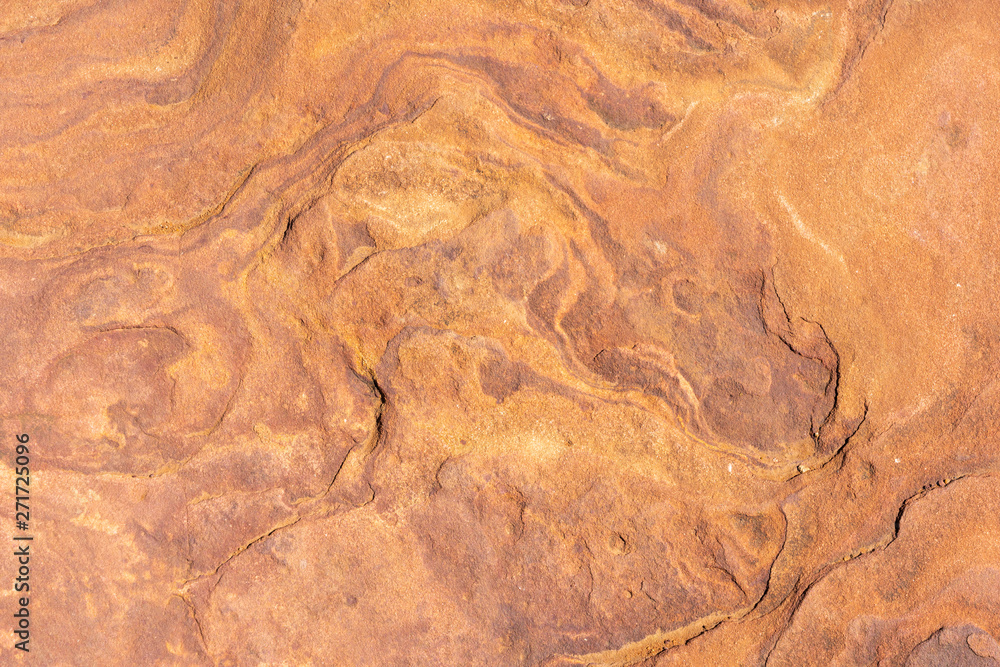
[568,332]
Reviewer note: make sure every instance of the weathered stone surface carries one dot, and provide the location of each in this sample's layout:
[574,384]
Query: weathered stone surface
[575,332]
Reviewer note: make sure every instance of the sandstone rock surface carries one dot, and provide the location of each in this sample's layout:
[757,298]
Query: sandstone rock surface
[567,332]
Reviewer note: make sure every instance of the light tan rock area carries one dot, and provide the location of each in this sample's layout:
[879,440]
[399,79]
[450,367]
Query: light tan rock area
[480,333]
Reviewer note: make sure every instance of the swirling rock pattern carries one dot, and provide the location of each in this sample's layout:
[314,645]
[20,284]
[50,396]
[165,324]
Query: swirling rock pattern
[571,332]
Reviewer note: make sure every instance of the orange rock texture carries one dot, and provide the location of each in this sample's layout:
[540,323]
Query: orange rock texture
[565,332]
